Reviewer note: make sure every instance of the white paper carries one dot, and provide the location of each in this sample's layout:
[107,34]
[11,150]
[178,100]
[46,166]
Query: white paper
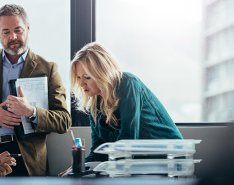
[36,92]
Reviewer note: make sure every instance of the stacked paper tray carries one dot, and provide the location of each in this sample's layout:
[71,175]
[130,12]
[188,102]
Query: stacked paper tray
[170,167]
[172,148]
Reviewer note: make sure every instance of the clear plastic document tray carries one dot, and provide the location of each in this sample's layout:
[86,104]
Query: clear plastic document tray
[170,147]
[170,167]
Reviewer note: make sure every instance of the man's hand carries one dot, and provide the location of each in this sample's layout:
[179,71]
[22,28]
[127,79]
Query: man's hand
[6,161]
[8,119]
[19,104]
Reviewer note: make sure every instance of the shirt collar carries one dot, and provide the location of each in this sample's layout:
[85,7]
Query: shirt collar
[21,59]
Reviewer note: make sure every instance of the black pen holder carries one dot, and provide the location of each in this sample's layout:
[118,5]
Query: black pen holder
[78,165]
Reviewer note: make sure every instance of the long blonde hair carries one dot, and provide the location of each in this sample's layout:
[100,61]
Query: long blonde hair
[104,70]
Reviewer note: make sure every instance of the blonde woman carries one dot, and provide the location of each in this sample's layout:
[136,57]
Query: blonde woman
[119,104]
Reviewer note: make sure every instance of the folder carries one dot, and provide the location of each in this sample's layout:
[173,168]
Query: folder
[35,89]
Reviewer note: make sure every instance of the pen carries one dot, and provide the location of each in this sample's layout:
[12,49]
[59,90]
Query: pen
[73,138]
[15,155]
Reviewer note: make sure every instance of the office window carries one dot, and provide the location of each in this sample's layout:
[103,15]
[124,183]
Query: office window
[219,13]
[160,41]
[218,49]
[229,68]
[181,49]
[213,77]
[50,32]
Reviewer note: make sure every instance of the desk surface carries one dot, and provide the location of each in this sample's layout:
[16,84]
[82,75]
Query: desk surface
[145,180]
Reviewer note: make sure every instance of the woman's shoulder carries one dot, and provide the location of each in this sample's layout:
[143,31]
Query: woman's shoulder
[129,80]
[129,76]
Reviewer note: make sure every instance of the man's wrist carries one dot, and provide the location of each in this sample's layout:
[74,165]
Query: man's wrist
[34,113]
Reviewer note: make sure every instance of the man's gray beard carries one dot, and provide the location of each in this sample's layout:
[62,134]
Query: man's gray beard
[20,51]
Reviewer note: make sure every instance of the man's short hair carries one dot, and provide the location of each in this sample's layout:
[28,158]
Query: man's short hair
[14,10]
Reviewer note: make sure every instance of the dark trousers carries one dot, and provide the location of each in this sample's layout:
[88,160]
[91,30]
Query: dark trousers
[13,148]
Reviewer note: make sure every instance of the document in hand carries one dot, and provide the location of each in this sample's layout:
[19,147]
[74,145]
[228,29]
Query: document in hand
[35,89]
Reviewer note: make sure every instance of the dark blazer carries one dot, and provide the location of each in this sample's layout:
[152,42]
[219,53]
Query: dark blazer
[56,119]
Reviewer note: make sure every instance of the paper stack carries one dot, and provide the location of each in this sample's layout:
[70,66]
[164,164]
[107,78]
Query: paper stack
[135,157]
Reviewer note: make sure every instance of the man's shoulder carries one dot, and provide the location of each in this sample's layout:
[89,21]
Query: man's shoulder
[38,58]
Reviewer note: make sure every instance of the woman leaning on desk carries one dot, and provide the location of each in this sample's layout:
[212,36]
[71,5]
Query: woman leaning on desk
[119,104]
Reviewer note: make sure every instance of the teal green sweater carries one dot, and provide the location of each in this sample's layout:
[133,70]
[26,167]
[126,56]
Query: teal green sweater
[140,116]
